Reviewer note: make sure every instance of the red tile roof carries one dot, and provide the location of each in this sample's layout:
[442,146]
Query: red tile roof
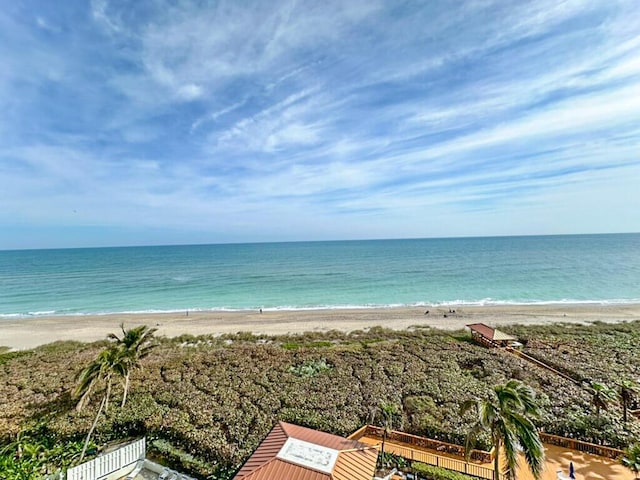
[355,460]
[488,332]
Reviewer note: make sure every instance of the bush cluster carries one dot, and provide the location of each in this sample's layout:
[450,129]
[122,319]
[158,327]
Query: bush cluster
[429,472]
[216,398]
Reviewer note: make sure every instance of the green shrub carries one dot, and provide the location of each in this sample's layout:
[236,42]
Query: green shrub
[6,356]
[311,368]
[180,460]
[218,401]
[436,473]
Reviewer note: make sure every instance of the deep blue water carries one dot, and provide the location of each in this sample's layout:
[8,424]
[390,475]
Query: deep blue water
[519,270]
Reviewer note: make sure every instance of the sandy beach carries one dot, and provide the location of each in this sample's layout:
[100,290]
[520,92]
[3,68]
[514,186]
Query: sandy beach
[26,333]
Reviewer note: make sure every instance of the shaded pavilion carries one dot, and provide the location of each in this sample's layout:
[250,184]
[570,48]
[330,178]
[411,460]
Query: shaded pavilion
[292,452]
[486,335]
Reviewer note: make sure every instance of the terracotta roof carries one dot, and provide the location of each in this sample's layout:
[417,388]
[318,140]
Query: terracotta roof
[488,332]
[270,461]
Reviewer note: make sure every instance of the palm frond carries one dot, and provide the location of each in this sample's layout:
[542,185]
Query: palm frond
[510,445]
[471,440]
[529,441]
[468,405]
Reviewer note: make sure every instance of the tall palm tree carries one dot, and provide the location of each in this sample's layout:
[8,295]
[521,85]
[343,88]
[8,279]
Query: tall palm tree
[601,395]
[388,413]
[110,362]
[135,344]
[631,459]
[626,391]
[509,419]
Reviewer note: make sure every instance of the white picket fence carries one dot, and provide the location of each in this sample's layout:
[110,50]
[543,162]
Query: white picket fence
[100,467]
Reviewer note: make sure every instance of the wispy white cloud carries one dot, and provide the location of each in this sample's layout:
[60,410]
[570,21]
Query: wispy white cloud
[327,120]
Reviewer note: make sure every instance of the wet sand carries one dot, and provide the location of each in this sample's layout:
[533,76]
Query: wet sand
[26,333]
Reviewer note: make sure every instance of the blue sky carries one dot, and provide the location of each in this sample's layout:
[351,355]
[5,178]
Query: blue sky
[153,122]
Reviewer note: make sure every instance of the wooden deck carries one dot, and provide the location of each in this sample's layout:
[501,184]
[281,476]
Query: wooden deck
[418,454]
[429,451]
[587,466]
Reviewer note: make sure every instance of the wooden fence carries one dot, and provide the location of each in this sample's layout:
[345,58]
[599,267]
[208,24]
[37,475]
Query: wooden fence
[439,461]
[479,456]
[104,465]
[542,364]
[416,454]
[484,341]
[580,446]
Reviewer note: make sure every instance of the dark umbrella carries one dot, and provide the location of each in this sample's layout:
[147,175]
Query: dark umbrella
[572,472]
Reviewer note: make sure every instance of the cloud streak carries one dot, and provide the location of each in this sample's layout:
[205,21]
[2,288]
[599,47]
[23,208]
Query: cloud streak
[299,120]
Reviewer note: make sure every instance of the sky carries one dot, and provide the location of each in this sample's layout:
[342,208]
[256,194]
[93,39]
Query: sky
[176,122]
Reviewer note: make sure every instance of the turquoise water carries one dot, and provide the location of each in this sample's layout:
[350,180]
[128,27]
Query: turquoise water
[496,270]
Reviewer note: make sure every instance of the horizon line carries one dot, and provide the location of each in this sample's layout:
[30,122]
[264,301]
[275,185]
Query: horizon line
[275,242]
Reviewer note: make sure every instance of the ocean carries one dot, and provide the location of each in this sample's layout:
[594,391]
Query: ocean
[307,275]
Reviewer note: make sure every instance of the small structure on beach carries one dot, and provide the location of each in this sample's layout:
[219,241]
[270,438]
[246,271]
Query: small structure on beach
[294,452]
[492,337]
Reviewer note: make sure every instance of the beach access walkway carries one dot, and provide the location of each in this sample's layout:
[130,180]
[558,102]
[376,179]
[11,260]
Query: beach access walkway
[587,466]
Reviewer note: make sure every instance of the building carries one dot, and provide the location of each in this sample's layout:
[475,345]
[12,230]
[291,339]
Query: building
[493,337]
[292,452]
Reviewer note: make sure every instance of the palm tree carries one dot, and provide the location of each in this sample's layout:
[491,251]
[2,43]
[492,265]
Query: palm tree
[508,417]
[108,363]
[135,345]
[601,395]
[631,459]
[102,369]
[388,412]
[626,391]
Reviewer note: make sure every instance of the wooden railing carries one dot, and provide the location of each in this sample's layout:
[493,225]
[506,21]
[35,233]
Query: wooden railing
[439,461]
[542,364]
[484,341]
[358,433]
[580,446]
[479,456]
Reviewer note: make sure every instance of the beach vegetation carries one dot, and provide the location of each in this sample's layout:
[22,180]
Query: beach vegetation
[118,359]
[312,344]
[218,399]
[601,397]
[631,459]
[311,368]
[9,355]
[429,472]
[33,453]
[65,345]
[627,390]
[134,345]
[388,414]
[109,363]
[509,417]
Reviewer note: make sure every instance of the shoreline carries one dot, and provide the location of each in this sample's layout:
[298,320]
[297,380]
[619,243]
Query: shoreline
[30,332]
